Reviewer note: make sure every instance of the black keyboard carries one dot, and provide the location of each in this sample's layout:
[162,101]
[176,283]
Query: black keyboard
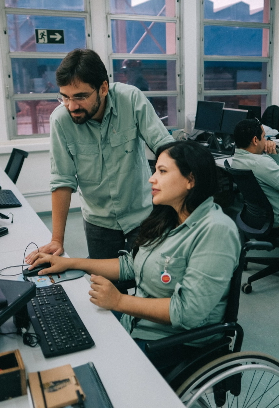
[57,322]
[8,199]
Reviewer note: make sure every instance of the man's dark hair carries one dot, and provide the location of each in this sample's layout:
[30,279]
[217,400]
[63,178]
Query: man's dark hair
[192,159]
[83,65]
[245,131]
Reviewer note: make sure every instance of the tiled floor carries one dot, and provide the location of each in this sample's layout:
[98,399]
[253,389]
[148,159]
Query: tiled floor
[258,313]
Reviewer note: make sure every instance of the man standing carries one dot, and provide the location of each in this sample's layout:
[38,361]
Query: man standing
[255,153]
[98,137]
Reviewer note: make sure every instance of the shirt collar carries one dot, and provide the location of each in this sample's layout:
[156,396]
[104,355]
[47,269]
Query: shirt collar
[195,216]
[110,104]
[242,151]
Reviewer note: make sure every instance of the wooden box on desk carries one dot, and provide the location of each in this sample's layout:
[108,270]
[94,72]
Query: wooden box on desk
[12,375]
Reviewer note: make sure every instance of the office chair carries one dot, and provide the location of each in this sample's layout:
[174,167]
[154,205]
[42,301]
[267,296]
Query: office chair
[15,163]
[270,117]
[255,221]
[215,375]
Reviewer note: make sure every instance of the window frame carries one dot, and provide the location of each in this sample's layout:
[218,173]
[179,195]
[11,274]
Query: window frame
[202,93]
[178,93]
[8,56]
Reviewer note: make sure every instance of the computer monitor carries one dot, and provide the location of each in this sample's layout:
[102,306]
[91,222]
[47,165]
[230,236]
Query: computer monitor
[230,119]
[253,111]
[209,116]
[15,295]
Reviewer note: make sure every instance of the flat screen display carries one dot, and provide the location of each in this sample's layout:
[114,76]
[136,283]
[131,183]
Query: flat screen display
[17,294]
[230,119]
[209,116]
[253,111]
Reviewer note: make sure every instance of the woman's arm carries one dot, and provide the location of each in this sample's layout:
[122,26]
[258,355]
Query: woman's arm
[109,268]
[106,295]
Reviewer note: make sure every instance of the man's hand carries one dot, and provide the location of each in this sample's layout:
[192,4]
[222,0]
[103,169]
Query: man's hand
[54,248]
[270,147]
[104,293]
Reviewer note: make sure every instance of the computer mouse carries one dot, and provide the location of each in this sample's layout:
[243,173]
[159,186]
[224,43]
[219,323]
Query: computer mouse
[34,272]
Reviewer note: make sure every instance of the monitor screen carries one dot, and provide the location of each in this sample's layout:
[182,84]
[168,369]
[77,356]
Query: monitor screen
[230,119]
[253,111]
[16,294]
[209,116]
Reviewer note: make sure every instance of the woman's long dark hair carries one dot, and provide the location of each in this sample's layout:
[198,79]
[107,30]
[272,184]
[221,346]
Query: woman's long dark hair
[191,158]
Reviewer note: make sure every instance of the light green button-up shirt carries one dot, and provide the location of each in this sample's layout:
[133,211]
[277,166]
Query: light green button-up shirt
[107,160]
[266,170]
[203,251]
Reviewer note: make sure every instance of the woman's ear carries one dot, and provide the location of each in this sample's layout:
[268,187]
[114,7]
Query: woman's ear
[191,181]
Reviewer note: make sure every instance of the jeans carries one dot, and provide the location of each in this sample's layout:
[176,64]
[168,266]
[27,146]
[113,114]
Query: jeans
[104,243]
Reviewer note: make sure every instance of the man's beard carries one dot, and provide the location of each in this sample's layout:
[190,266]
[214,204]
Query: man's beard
[87,114]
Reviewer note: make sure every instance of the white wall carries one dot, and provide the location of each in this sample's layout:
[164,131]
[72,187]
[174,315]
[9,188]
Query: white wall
[33,181]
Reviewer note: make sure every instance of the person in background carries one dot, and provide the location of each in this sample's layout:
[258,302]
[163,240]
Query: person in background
[255,153]
[183,258]
[98,136]
[133,72]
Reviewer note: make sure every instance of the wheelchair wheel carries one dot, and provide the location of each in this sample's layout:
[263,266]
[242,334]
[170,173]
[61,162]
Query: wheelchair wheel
[238,380]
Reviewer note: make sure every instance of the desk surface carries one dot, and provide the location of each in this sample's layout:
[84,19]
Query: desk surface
[128,376]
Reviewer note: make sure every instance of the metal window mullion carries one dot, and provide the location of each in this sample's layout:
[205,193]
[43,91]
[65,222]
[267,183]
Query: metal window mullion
[138,17]
[34,96]
[160,93]
[88,25]
[32,55]
[229,23]
[200,87]
[7,73]
[269,72]
[220,92]
[239,58]
[180,105]
[119,56]
[51,13]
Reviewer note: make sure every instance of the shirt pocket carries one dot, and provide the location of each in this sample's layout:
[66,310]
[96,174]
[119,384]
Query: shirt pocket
[175,268]
[124,146]
[87,161]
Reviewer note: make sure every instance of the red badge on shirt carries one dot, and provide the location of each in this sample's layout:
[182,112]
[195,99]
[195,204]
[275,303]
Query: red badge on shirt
[165,277]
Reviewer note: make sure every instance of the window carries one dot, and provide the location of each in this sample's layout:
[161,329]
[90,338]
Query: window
[236,57]
[144,43]
[37,36]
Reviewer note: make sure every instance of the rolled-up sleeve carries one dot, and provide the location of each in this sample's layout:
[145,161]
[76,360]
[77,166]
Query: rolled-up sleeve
[207,278]
[151,128]
[126,263]
[63,170]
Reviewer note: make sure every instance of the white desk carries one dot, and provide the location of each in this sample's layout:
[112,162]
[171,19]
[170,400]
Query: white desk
[128,376]
[220,162]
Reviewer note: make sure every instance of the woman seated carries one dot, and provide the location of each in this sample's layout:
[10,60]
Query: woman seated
[183,259]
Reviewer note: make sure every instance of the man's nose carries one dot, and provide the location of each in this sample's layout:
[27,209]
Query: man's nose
[73,105]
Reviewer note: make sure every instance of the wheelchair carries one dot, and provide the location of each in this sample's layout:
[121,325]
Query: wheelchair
[219,374]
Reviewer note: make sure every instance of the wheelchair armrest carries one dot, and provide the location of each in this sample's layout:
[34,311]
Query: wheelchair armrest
[191,335]
[259,245]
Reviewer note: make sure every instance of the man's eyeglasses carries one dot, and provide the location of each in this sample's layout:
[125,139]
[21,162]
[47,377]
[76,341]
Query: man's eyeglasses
[258,121]
[79,99]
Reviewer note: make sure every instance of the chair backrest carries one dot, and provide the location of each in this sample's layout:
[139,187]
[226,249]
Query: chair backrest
[15,163]
[270,117]
[256,217]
